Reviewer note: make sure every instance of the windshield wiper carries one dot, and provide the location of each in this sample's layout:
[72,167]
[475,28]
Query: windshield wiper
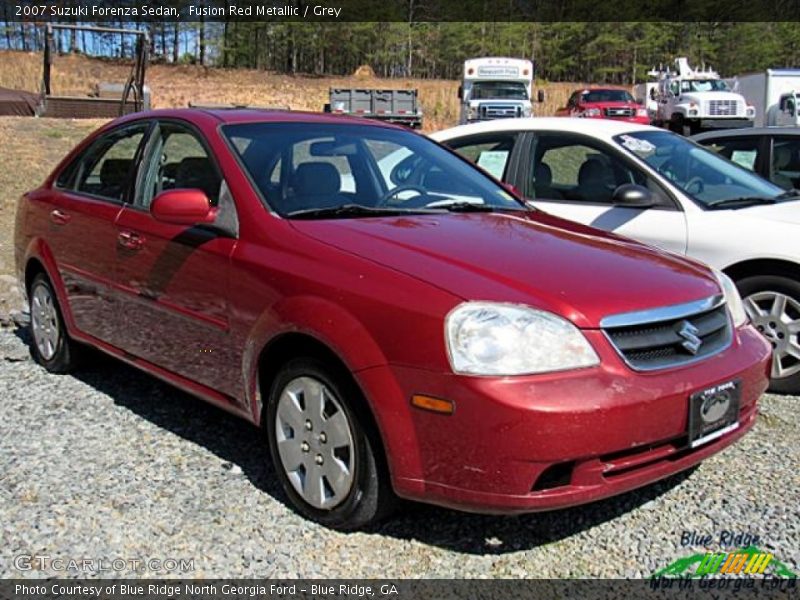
[740,202]
[355,210]
[462,206]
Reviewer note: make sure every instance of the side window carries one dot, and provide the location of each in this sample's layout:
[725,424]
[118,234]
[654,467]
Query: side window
[107,168]
[491,153]
[743,151]
[178,160]
[785,168]
[674,88]
[578,170]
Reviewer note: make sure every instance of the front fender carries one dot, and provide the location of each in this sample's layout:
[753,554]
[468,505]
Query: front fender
[325,321]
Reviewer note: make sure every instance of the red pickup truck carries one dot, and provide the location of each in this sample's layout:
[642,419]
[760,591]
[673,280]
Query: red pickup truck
[604,103]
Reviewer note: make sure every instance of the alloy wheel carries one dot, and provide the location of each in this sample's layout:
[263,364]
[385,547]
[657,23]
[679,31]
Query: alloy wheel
[777,316]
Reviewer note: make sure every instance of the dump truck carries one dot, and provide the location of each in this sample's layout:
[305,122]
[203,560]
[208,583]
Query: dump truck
[395,106]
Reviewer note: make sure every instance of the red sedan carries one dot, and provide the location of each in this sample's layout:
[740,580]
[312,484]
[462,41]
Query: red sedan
[397,322]
[604,103]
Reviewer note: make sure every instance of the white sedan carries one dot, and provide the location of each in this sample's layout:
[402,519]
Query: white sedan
[660,188]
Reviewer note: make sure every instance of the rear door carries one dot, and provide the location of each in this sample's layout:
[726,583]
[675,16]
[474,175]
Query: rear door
[88,197]
[748,151]
[174,278]
[784,167]
[574,176]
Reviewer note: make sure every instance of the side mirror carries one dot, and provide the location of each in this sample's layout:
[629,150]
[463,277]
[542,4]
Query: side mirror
[182,207]
[630,195]
[652,93]
[540,96]
[460,92]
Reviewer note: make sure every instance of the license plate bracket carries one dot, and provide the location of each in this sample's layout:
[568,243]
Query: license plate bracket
[713,412]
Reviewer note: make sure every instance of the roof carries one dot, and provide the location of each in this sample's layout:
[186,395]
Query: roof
[254,115]
[603,128]
[749,132]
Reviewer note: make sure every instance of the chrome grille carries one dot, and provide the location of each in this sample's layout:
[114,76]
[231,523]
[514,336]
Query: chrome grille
[670,336]
[500,111]
[619,112]
[723,108]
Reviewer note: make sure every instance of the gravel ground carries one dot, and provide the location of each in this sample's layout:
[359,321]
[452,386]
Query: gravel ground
[112,464]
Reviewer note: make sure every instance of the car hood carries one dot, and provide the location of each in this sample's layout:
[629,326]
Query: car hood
[784,212]
[633,105]
[537,259]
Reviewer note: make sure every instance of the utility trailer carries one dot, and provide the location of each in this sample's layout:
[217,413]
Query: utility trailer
[394,106]
[109,100]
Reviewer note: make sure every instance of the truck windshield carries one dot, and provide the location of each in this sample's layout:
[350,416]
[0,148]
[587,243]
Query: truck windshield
[347,170]
[506,90]
[606,96]
[712,181]
[704,85]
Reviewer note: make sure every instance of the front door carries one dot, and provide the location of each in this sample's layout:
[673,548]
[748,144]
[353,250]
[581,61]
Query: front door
[574,177]
[175,277]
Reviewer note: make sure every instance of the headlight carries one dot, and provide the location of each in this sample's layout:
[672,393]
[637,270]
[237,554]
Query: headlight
[486,338]
[592,112]
[732,299]
[472,112]
[526,111]
[641,112]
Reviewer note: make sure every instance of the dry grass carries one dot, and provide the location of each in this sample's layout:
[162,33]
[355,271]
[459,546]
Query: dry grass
[31,149]
[176,86]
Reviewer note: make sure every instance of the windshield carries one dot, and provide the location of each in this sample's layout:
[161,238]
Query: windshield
[491,90]
[606,96]
[704,85]
[308,168]
[701,174]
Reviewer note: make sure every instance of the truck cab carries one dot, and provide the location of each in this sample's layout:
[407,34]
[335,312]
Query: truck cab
[496,88]
[689,101]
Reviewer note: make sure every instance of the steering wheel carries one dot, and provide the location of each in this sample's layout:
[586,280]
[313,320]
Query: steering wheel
[698,181]
[421,199]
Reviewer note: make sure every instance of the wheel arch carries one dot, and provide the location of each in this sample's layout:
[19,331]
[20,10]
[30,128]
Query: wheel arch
[763,266]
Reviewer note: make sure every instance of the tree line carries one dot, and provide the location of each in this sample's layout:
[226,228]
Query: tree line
[617,53]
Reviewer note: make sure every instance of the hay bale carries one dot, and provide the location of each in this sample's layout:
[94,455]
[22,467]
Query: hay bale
[364,72]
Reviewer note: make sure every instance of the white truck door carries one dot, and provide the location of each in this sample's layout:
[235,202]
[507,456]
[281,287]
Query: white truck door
[574,177]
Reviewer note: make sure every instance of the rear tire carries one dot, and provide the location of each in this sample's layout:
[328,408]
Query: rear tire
[51,345]
[327,456]
[773,305]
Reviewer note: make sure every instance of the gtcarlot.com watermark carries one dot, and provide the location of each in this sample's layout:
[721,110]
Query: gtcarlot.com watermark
[44,562]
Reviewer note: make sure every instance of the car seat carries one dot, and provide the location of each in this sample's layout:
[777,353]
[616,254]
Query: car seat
[596,181]
[113,177]
[197,172]
[316,185]
[542,183]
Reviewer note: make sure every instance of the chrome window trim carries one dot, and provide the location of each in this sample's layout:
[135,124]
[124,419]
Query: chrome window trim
[662,313]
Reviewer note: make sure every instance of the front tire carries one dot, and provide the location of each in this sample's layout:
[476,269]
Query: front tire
[326,456]
[52,347]
[773,304]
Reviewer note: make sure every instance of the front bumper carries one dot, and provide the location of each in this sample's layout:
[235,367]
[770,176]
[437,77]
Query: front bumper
[723,123]
[522,444]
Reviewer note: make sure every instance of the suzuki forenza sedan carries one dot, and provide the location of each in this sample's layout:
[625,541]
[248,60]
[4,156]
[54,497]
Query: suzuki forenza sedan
[412,331]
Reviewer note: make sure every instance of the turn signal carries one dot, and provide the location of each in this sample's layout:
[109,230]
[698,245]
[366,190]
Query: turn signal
[437,405]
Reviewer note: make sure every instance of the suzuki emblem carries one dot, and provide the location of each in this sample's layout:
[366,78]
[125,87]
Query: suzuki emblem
[689,333]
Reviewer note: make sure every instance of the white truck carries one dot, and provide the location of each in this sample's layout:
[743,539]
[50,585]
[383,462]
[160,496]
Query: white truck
[690,100]
[775,93]
[496,88]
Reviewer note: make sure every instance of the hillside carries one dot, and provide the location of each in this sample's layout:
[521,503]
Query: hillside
[176,85]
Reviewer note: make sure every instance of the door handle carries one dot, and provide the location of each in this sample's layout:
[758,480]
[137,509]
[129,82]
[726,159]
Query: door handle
[59,217]
[130,240]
